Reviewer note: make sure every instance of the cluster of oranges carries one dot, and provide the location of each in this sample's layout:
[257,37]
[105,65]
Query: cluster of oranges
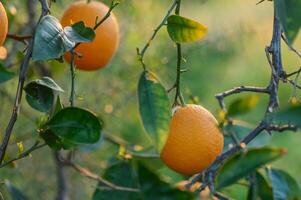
[194,139]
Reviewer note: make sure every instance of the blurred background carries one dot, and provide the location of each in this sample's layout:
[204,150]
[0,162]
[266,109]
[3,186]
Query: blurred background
[231,55]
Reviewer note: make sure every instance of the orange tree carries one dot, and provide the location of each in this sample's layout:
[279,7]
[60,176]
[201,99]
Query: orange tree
[217,154]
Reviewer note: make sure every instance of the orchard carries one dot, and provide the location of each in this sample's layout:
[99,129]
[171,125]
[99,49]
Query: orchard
[150,100]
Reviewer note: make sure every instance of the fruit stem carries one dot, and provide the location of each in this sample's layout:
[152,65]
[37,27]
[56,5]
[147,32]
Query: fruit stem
[72,70]
[178,95]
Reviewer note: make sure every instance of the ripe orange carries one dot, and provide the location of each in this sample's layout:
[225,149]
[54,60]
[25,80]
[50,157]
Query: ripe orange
[3,24]
[98,53]
[194,140]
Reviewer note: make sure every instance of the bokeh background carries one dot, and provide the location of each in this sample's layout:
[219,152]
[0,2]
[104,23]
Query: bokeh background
[231,55]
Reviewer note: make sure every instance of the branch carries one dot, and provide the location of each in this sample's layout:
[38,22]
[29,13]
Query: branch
[179,100]
[19,38]
[62,190]
[147,45]
[24,154]
[220,97]
[273,53]
[18,98]
[87,173]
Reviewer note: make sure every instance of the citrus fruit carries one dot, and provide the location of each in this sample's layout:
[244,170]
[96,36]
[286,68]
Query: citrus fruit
[98,53]
[3,24]
[194,140]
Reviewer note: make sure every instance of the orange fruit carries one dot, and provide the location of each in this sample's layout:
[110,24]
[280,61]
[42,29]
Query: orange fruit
[194,140]
[98,53]
[3,24]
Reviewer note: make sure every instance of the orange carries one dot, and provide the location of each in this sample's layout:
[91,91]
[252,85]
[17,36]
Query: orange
[3,24]
[194,140]
[98,53]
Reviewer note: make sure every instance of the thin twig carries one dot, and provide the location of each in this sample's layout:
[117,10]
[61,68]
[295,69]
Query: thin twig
[72,71]
[24,154]
[19,38]
[179,100]
[87,173]
[147,45]
[18,98]
[220,97]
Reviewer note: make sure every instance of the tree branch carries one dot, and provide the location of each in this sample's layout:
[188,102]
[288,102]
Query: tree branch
[147,45]
[87,173]
[273,53]
[18,98]
[24,154]
[220,97]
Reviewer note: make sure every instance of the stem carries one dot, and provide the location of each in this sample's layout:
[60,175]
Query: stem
[18,98]
[87,173]
[178,95]
[157,29]
[72,70]
[62,189]
[24,154]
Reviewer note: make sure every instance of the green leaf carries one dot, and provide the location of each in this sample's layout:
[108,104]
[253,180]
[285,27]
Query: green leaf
[284,186]
[260,188]
[78,32]
[41,94]
[76,125]
[288,11]
[153,187]
[50,83]
[52,41]
[120,173]
[243,105]
[290,115]
[135,175]
[5,75]
[243,164]
[240,129]
[181,29]
[55,142]
[154,108]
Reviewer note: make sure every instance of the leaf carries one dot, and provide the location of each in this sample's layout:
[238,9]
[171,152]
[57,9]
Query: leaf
[78,32]
[260,188]
[181,29]
[154,108]
[48,82]
[290,115]
[56,143]
[76,125]
[39,97]
[120,173]
[136,175]
[284,186]
[153,187]
[243,105]
[41,93]
[243,164]
[288,11]
[5,75]
[240,129]
[52,41]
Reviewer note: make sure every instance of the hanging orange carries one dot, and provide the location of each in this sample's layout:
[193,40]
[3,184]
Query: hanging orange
[98,53]
[194,140]
[3,24]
